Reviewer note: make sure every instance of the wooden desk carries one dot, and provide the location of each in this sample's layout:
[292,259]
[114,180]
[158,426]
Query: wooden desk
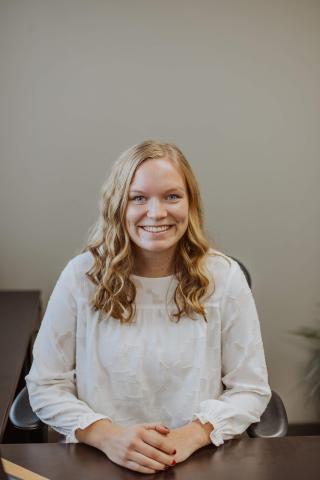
[291,458]
[20,315]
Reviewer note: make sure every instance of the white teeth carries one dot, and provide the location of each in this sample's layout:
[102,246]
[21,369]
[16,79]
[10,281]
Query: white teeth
[156,229]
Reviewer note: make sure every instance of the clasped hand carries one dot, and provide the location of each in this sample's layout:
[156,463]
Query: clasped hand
[146,448]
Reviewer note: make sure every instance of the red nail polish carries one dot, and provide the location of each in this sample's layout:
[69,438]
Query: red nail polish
[174,462]
[174,452]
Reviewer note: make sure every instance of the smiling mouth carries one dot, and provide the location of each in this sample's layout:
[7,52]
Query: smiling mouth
[163,228]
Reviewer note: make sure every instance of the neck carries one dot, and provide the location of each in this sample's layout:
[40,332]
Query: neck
[153,264]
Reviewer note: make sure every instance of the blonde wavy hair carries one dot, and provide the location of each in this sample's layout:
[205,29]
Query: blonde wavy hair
[110,244]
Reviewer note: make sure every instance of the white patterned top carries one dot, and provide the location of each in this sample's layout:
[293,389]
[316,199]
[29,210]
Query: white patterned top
[86,367]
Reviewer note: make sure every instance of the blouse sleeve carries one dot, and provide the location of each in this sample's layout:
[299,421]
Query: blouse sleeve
[243,368]
[51,381]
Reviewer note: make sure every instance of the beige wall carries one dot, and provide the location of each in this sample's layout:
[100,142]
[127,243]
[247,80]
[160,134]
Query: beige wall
[234,83]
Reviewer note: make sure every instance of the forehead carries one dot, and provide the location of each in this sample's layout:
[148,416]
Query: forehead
[158,173]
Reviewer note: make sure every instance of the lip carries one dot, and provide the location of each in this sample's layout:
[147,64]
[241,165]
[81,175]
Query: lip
[163,232]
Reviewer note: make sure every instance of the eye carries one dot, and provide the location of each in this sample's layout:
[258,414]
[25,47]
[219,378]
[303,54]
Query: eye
[138,198]
[142,198]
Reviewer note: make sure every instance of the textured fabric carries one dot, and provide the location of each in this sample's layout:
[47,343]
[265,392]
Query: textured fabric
[87,367]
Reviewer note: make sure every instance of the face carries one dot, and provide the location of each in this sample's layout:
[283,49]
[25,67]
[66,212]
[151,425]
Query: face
[157,210]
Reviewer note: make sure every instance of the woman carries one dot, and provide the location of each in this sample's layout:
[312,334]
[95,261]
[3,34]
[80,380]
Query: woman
[150,347]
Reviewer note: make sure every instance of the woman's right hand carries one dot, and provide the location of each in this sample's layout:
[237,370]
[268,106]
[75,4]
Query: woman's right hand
[143,448]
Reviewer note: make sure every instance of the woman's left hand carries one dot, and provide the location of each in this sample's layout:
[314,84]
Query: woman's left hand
[189,438]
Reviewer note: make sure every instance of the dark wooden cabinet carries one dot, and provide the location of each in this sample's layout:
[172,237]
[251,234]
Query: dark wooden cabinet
[20,317]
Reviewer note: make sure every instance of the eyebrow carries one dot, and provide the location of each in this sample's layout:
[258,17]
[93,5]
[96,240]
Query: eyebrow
[169,190]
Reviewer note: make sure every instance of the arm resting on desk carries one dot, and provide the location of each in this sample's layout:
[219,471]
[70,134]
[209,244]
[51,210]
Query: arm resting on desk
[244,371]
[51,384]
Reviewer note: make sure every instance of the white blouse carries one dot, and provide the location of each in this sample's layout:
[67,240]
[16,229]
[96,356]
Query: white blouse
[86,367]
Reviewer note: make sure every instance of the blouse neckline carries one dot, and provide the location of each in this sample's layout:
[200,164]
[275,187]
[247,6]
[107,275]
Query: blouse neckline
[138,277]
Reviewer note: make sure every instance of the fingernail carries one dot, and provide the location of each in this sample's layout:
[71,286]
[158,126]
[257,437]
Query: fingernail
[164,426]
[174,462]
[174,452]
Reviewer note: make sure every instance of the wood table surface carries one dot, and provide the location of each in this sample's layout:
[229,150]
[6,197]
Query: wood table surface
[19,318]
[292,458]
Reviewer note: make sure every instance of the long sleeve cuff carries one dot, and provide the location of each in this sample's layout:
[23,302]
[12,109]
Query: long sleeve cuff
[227,421]
[84,422]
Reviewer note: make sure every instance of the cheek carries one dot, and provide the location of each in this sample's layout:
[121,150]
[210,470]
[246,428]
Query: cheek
[130,215]
[133,217]
[181,213]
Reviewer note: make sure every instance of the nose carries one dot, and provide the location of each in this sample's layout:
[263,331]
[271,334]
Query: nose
[156,209]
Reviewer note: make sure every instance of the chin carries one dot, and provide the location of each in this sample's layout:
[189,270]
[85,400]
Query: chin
[156,248]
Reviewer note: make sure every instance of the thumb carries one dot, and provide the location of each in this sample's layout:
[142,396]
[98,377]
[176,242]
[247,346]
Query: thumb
[159,427]
[162,429]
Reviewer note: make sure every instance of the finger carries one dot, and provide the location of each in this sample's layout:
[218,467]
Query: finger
[145,461]
[138,468]
[158,427]
[152,426]
[154,454]
[162,429]
[155,439]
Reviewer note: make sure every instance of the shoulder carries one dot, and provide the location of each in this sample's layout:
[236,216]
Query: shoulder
[219,264]
[221,269]
[82,263]
[77,269]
